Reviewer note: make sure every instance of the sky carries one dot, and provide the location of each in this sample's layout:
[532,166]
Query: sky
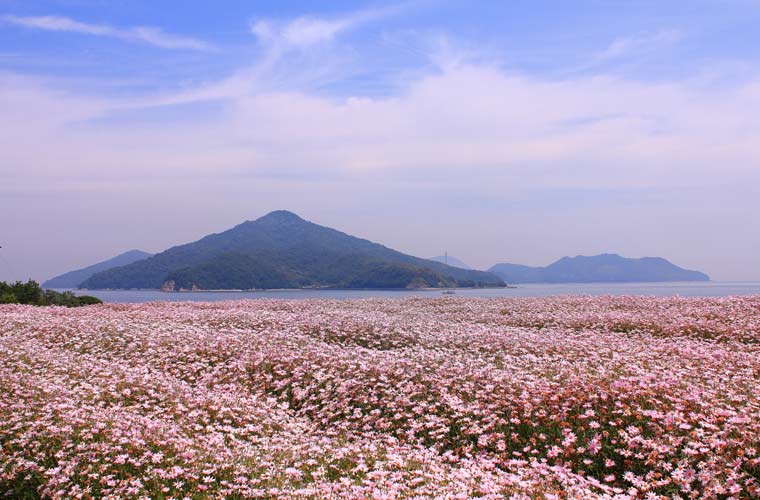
[497,131]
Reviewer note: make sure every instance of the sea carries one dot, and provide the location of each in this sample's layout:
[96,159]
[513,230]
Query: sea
[671,289]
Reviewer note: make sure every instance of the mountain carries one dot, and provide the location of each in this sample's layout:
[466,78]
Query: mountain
[72,279]
[604,268]
[452,261]
[281,250]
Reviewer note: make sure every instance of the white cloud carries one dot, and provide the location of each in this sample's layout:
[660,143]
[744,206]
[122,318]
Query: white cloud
[306,31]
[145,34]
[263,29]
[467,119]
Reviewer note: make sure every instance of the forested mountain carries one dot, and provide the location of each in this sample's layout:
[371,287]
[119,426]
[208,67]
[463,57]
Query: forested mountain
[281,250]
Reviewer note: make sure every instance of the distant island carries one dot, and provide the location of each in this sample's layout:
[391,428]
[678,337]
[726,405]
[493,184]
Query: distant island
[73,279]
[282,250]
[604,268]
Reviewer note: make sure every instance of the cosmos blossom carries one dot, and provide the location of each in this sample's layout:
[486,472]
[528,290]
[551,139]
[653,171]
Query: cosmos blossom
[568,397]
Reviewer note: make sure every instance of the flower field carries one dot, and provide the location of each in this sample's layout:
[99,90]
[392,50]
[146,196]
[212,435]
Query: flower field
[571,397]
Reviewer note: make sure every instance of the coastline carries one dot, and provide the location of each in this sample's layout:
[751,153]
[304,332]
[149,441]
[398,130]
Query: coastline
[252,290]
[664,289]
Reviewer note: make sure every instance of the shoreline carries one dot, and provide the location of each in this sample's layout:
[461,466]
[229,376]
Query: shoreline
[258,290]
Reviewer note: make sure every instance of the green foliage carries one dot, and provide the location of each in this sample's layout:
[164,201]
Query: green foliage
[25,293]
[391,275]
[31,293]
[88,300]
[245,272]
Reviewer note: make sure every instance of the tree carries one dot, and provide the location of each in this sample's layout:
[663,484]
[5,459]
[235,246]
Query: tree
[8,298]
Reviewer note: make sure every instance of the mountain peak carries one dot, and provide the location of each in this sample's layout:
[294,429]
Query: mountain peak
[136,253]
[280,216]
[602,257]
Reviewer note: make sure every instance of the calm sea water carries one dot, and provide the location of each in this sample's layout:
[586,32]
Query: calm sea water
[686,289]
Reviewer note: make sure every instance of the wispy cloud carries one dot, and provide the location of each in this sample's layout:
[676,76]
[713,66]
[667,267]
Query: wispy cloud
[306,51]
[145,34]
[639,43]
[301,32]
[306,31]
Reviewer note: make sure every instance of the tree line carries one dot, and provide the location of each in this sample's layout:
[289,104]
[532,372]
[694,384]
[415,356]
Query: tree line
[31,293]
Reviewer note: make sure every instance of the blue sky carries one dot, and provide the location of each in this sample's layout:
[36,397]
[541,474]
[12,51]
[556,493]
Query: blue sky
[497,131]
